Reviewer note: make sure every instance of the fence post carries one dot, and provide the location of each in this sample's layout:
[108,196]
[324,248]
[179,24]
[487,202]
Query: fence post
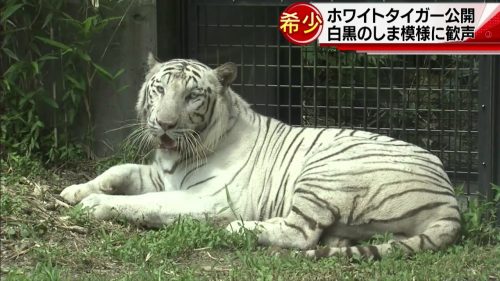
[172,29]
[489,126]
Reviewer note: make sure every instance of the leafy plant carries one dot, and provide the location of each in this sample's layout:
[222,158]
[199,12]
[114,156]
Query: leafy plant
[479,219]
[79,215]
[49,69]
[9,205]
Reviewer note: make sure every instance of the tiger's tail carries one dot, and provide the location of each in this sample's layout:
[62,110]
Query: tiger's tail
[437,235]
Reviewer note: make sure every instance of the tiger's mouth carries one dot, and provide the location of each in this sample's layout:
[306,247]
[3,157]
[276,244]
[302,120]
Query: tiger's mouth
[167,143]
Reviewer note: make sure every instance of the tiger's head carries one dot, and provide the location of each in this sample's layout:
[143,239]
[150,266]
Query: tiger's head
[183,103]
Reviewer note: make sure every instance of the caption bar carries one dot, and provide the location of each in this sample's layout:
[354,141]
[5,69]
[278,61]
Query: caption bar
[395,28]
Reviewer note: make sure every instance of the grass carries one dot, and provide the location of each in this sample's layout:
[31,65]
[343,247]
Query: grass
[42,238]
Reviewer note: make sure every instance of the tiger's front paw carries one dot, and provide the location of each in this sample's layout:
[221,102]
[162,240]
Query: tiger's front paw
[100,206]
[75,193]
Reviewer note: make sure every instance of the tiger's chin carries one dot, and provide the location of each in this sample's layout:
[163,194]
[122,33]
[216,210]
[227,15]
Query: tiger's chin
[167,143]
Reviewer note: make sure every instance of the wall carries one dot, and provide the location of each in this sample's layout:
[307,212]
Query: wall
[130,44]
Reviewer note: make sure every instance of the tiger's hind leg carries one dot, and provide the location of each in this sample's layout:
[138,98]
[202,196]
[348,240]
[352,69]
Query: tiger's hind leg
[301,228]
[439,234]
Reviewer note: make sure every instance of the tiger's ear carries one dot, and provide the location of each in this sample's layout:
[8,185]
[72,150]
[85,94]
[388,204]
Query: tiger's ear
[226,73]
[152,61]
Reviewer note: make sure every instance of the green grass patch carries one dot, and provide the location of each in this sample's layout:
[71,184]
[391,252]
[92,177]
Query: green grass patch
[44,239]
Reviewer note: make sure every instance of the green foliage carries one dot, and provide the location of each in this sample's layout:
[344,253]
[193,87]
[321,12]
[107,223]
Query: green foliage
[178,238]
[79,215]
[9,205]
[480,218]
[14,166]
[48,71]
[40,243]
[43,271]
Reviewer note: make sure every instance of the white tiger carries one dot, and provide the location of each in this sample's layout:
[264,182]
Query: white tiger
[297,186]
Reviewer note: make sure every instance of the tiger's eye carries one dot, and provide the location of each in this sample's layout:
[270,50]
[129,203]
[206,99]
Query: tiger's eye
[160,89]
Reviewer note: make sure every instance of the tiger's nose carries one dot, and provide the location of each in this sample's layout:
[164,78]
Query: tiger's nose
[166,125]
